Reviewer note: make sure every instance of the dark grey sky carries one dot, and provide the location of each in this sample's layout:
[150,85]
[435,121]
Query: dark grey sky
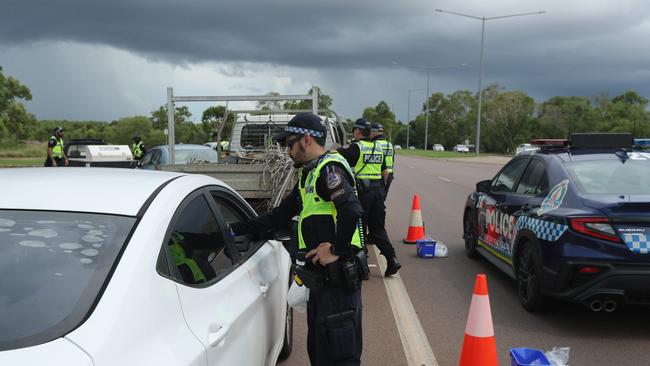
[90,59]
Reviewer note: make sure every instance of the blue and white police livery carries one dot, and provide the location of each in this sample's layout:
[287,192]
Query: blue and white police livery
[569,221]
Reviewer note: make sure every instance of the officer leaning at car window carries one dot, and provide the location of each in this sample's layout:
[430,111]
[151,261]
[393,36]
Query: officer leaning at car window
[329,238]
[138,147]
[367,160]
[377,134]
[55,153]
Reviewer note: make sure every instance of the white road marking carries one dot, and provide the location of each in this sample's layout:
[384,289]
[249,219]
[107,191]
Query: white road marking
[445,179]
[411,166]
[416,345]
[372,265]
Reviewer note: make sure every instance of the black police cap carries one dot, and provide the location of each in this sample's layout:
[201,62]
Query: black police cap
[361,124]
[302,124]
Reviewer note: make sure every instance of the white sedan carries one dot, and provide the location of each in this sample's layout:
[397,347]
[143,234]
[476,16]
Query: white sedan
[123,267]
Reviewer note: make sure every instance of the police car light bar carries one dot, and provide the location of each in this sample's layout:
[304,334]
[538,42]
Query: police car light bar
[601,140]
[549,143]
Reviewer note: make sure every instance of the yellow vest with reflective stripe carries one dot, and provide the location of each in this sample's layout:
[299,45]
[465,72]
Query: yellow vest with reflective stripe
[57,150]
[389,153]
[180,258]
[369,163]
[313,204]
[137,150]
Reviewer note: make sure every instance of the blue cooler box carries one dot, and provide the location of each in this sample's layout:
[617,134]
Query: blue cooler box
[426,248]
[528,357]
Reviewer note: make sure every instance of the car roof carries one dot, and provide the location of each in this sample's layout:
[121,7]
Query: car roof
[100,190]
[581,155]
[179,147]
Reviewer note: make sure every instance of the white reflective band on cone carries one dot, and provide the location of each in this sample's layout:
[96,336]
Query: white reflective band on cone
[416,218]
[479,320]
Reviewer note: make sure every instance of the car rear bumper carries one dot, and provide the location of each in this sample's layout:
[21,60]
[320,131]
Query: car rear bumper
[624,283]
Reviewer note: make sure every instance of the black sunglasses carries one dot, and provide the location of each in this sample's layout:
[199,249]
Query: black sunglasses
[289,143]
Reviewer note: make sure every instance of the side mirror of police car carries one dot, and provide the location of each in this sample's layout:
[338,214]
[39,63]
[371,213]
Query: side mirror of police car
[484,186]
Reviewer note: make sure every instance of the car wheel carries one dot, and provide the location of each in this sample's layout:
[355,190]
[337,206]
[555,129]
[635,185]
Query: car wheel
[469,227]
[287,344]
[529,277]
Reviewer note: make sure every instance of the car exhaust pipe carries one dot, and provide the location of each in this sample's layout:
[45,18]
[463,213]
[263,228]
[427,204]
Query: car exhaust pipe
[596,305]
[610,305]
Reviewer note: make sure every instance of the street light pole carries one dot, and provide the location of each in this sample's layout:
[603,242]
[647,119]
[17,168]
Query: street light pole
[426,123]
[480,77]
[408,110]
[428,68]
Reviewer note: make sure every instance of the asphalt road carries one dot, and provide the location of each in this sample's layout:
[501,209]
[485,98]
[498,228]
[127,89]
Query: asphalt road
[440,289]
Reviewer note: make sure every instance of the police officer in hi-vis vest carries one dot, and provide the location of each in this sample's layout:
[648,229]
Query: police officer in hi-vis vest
[329,240]
[367,160]
[377,134]
[55,153]
[138,147]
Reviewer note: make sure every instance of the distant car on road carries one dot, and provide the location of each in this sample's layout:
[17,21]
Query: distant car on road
[183,154]
[525,148]
[130,267]
[571,222]
[411,147]
[461,148]
[438,147]
[397,147]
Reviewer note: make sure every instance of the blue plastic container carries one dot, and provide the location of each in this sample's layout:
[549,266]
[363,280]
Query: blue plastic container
[528,357]
[426,248]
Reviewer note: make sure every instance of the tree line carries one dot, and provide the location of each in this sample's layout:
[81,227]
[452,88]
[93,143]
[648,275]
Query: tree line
[508,118]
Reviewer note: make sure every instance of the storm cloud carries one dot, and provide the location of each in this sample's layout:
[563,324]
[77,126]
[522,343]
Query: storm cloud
[90,59]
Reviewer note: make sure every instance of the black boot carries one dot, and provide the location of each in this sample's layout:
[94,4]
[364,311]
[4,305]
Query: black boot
[392,267]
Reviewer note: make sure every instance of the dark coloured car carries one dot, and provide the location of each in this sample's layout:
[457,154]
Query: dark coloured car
[570,222]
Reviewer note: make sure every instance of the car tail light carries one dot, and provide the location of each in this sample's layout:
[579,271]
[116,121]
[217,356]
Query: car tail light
[597,227]
[589,270]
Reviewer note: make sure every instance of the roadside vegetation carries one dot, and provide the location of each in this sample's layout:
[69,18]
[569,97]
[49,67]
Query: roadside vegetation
[434,154]
[508,118]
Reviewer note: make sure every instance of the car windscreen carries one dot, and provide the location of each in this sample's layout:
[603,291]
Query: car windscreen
[53,265]
[613,176]
[195,156]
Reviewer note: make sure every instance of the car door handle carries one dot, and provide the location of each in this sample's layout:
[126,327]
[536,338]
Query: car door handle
[216,336]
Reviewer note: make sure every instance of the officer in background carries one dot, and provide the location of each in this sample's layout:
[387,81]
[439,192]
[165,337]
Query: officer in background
[377,134]
[329,236]
[138,147]
[367,160]
[55,153]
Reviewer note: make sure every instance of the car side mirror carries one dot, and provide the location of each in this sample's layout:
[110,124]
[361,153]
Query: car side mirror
[484,186]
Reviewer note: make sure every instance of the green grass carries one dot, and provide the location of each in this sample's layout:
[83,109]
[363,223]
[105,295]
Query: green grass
[433,154]
[10,162]
[26,149]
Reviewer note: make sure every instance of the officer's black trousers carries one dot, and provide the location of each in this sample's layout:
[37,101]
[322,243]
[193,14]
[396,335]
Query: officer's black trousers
[374,215]
[389,181]
[334,335]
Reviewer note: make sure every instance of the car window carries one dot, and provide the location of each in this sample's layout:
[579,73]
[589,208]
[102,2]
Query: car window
[196,245]
[53,266]
[505,181]
[233,212]
[195,156]
[156,155]
[534,180]
[631,176]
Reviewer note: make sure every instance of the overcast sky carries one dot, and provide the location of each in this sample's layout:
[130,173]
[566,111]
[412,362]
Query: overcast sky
[104,60]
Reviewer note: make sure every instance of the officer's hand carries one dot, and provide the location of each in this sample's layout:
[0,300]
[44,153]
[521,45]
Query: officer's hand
[66,162]
[322,254]
[54,162]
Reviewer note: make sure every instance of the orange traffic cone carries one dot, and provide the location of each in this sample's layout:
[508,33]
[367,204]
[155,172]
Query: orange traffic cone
[479,345]
[416,228]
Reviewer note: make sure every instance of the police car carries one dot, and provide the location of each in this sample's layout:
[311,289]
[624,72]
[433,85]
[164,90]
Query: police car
[133,267]
[571,221]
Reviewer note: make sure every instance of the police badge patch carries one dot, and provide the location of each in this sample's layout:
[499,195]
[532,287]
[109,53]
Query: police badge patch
[334,180]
